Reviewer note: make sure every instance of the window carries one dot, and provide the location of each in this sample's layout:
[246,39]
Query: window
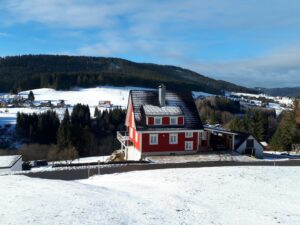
[204,134]
[188,145]
[130,132]
[136,137]
[153,139]
[188,134]
[157,120]
[173,120]
[173,139]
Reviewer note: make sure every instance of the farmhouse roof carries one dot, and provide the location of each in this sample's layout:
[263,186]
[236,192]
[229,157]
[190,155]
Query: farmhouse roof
[146,102]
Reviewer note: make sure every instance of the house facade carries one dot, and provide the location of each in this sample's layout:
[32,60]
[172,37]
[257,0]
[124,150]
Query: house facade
[161,122]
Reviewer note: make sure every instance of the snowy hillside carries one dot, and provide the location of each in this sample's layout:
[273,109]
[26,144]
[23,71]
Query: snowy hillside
[90,96]
[224,195]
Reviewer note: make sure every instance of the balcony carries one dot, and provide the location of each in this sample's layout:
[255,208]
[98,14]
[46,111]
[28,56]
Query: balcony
[122,136]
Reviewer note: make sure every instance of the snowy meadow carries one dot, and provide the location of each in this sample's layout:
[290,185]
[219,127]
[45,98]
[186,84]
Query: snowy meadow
[219,195]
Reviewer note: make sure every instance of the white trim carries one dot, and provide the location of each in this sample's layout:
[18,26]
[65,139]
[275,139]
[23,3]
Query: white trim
[175,141]
[153,143]
[204,136]
[157,117]
[130,132]
[127,112]
[168,131]
[136,137]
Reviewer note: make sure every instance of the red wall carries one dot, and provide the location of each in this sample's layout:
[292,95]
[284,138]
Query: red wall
[180,120]
[163,143]
[166,120]
[150,120]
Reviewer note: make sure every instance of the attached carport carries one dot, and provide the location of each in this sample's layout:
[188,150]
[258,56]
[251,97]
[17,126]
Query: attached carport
[220,139]
[243,143]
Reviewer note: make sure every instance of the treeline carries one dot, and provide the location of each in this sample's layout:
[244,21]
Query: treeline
[63,72]
[229,113]
[260,122]
[76,134]
[39,128]
[288,131]
[217,110]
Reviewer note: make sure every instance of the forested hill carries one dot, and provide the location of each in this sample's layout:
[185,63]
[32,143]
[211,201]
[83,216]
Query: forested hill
[63,72]
[288,91]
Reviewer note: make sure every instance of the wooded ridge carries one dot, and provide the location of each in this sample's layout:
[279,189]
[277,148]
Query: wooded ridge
[63,72]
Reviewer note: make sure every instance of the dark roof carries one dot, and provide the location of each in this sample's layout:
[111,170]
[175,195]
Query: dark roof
[184,100]
[242,137]
[9,160]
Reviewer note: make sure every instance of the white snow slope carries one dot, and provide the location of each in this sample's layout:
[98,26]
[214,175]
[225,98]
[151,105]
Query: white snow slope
[220,195]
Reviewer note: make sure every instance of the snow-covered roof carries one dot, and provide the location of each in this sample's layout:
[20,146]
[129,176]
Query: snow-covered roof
[152,110]
[181,103]
[8,160]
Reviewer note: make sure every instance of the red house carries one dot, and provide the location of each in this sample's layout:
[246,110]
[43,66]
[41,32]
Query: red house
[161,122]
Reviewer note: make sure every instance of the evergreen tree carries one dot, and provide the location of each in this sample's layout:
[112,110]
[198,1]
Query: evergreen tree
[96,112]
[287,133]
[64,132]
[259,125]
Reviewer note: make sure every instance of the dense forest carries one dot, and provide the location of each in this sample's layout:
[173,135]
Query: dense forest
[78,134]
[63,72]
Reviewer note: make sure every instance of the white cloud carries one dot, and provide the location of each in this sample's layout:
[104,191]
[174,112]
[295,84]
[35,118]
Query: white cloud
[280,68]
[193,13]
[2,34]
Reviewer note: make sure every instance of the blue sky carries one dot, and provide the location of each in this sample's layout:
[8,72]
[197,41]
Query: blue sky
[252,43]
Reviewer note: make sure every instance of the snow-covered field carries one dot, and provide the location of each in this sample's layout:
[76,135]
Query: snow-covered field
[219,195]
[89,96]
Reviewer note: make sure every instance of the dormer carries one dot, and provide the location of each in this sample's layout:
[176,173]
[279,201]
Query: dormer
[163,116]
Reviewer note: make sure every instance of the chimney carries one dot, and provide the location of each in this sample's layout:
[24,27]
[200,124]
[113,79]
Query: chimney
[162,95]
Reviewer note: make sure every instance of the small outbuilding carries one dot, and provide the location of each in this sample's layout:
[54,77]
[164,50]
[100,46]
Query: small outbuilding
[10,163]
[249,145]
[243,143]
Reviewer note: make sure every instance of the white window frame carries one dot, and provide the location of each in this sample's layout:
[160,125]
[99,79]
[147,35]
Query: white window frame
[153,137]
[188,145]
[189,134]
[176,120]
[160,119]
[171,141]
[130,132]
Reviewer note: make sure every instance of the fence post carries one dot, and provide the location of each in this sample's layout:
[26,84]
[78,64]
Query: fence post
[98,167]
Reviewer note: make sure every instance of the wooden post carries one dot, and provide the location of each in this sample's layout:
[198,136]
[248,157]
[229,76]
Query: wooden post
[98,167]
[233,141]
